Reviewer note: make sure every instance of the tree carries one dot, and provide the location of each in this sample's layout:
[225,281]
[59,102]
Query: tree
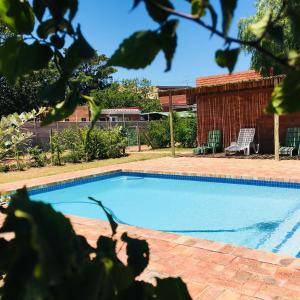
[25,94]
[280,41]
[129,93]
[93,74]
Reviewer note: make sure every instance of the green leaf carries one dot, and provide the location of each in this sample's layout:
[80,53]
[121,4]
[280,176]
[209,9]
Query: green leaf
[156,12]
[17,58]
[227,58]
[63,109]
[55,246]
[286,95]
[169,41]
[17,15]
[137,254]
[172,288]
[228,9]
[137,51]
[95,108]
[199,7]
[260,27]
[79,52]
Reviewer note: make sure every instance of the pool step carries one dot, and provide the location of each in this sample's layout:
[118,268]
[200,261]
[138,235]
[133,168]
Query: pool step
[284,239]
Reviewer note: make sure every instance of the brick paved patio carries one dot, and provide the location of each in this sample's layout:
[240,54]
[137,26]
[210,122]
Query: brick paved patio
[212,270]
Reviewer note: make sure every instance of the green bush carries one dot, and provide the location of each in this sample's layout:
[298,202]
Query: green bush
[105,143]
[56,148]
[73,141]
[185,132]
[38,156]
[158,134]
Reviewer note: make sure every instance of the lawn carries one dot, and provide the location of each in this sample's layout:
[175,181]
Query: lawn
[52,170]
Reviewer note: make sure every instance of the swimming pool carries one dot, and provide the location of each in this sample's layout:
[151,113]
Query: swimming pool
[255,214]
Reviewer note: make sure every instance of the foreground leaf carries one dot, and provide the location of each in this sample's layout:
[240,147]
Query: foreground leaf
[137,51]
[63,109]
[17,15]
[228,8]
[227,58]
[172,288]
[138,254]
[17,58]
[156,12]
[286,95]
[169,41]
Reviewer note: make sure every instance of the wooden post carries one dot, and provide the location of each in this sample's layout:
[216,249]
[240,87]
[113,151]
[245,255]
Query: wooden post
[171,124]
[276,137]
[138,132]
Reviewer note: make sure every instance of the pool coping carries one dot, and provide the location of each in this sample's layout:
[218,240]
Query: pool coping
[247,180]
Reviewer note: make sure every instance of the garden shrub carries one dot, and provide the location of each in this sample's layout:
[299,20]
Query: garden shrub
[158,134]
[56,148]
[105,143]
[185,132]
[73,142]
[38,156]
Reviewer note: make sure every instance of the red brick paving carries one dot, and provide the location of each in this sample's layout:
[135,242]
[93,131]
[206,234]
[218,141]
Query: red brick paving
[211,270]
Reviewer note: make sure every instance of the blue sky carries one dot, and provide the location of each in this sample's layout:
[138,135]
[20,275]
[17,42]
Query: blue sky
[106,23]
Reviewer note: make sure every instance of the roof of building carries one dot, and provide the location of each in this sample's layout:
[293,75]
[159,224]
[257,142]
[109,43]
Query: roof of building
[228,78]
[171,87]
[121,111]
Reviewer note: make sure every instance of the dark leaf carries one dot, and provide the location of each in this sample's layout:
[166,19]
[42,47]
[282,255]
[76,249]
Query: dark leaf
[169,41]
[110,218]
[17,15]
[55,92]
[227,58]
[137,254]
[17,58]
[214,17]
[286,95]
[137,51]
[136,3]
[156,11]
[39,8]
[199,7]
[172,288]
[228,8]
[73,9]
[139,290]
[46,28]
[55,246]
[79,52]
[63,109]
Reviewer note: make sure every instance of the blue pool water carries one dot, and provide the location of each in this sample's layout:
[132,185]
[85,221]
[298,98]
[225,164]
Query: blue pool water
[259,217]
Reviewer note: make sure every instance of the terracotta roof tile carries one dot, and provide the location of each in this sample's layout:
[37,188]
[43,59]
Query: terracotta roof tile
[227,78]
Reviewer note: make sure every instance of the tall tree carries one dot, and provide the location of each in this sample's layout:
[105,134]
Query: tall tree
[279,41]
[93,74]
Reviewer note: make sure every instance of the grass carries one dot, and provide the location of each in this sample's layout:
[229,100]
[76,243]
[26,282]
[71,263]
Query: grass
[53,170]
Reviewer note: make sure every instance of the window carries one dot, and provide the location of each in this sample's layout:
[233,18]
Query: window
[83,119]
[67,120]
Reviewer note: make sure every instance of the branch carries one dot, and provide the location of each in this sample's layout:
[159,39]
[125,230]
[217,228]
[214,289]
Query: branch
[254,44]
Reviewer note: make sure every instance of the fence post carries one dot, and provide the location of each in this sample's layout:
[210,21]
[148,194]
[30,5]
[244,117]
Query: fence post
[276,137]
[138,136]
[171,123]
